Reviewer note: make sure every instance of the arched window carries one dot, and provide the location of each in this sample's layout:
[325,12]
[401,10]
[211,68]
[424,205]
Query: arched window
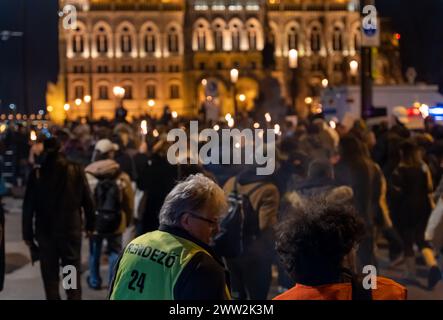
[103,92]
[174,91]
[315,39]
[78,44]
[150,91]
[292,38]
[126,41]
[218,36]
[235,37]
[201,38]
[337,39]
[79,92]
[356,38]
[252,37]
[149,41]
[173,40]
[128,92]
[101,41]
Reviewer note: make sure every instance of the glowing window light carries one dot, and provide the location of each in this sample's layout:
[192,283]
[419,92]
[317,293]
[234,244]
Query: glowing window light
[268,117]
[235,8]
[252,7]
[201,7]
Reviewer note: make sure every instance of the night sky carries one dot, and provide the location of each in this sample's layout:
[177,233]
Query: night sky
[420,24]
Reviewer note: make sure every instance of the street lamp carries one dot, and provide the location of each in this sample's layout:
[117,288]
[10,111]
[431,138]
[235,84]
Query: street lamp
[293,58]
[324,83]
[66,107]
[151,103]
[293,64]
[87,99]
[234,78]
[119,93]
[353,65]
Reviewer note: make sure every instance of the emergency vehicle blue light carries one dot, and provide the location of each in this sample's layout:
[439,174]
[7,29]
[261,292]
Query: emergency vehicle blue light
[438,118]
[436,111]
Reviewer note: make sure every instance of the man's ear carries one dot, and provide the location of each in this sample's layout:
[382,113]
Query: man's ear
[184,221]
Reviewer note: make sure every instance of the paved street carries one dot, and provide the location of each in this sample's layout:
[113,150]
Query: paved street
[23,280]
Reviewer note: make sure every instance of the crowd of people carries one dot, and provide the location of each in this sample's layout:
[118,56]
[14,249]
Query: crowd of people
[337,195]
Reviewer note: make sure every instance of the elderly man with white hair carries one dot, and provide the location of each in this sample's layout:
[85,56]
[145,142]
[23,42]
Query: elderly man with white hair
[176,262]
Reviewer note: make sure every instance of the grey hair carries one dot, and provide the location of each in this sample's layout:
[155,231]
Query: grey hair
[195,193]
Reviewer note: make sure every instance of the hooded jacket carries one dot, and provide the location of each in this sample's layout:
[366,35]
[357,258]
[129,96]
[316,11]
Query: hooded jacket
[109,168]
[264,200]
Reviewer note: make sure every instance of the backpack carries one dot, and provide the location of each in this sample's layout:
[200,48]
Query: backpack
[108,213]
[240,227]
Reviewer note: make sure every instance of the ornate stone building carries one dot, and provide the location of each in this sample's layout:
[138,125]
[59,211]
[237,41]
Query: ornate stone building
[180,52]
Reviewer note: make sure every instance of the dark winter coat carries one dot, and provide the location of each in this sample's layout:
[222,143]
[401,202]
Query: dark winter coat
[55,195]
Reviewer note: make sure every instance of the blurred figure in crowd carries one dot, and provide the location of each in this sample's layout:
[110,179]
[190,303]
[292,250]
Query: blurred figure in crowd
[356,170]
[114,201]
[264,198]
[411,195]
[56,194]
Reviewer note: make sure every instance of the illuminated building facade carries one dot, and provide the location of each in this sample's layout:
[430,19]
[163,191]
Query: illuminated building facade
[180,52]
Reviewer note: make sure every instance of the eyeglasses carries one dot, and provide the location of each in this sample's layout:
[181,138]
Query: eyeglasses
[197,216]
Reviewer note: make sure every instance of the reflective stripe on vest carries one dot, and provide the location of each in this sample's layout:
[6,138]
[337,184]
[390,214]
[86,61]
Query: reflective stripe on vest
[150,266]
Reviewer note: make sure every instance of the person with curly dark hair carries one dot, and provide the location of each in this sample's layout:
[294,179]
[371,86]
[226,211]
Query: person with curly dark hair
[317,244]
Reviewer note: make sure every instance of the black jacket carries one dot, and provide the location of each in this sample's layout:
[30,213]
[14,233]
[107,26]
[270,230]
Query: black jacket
[157,177]
[55,195]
